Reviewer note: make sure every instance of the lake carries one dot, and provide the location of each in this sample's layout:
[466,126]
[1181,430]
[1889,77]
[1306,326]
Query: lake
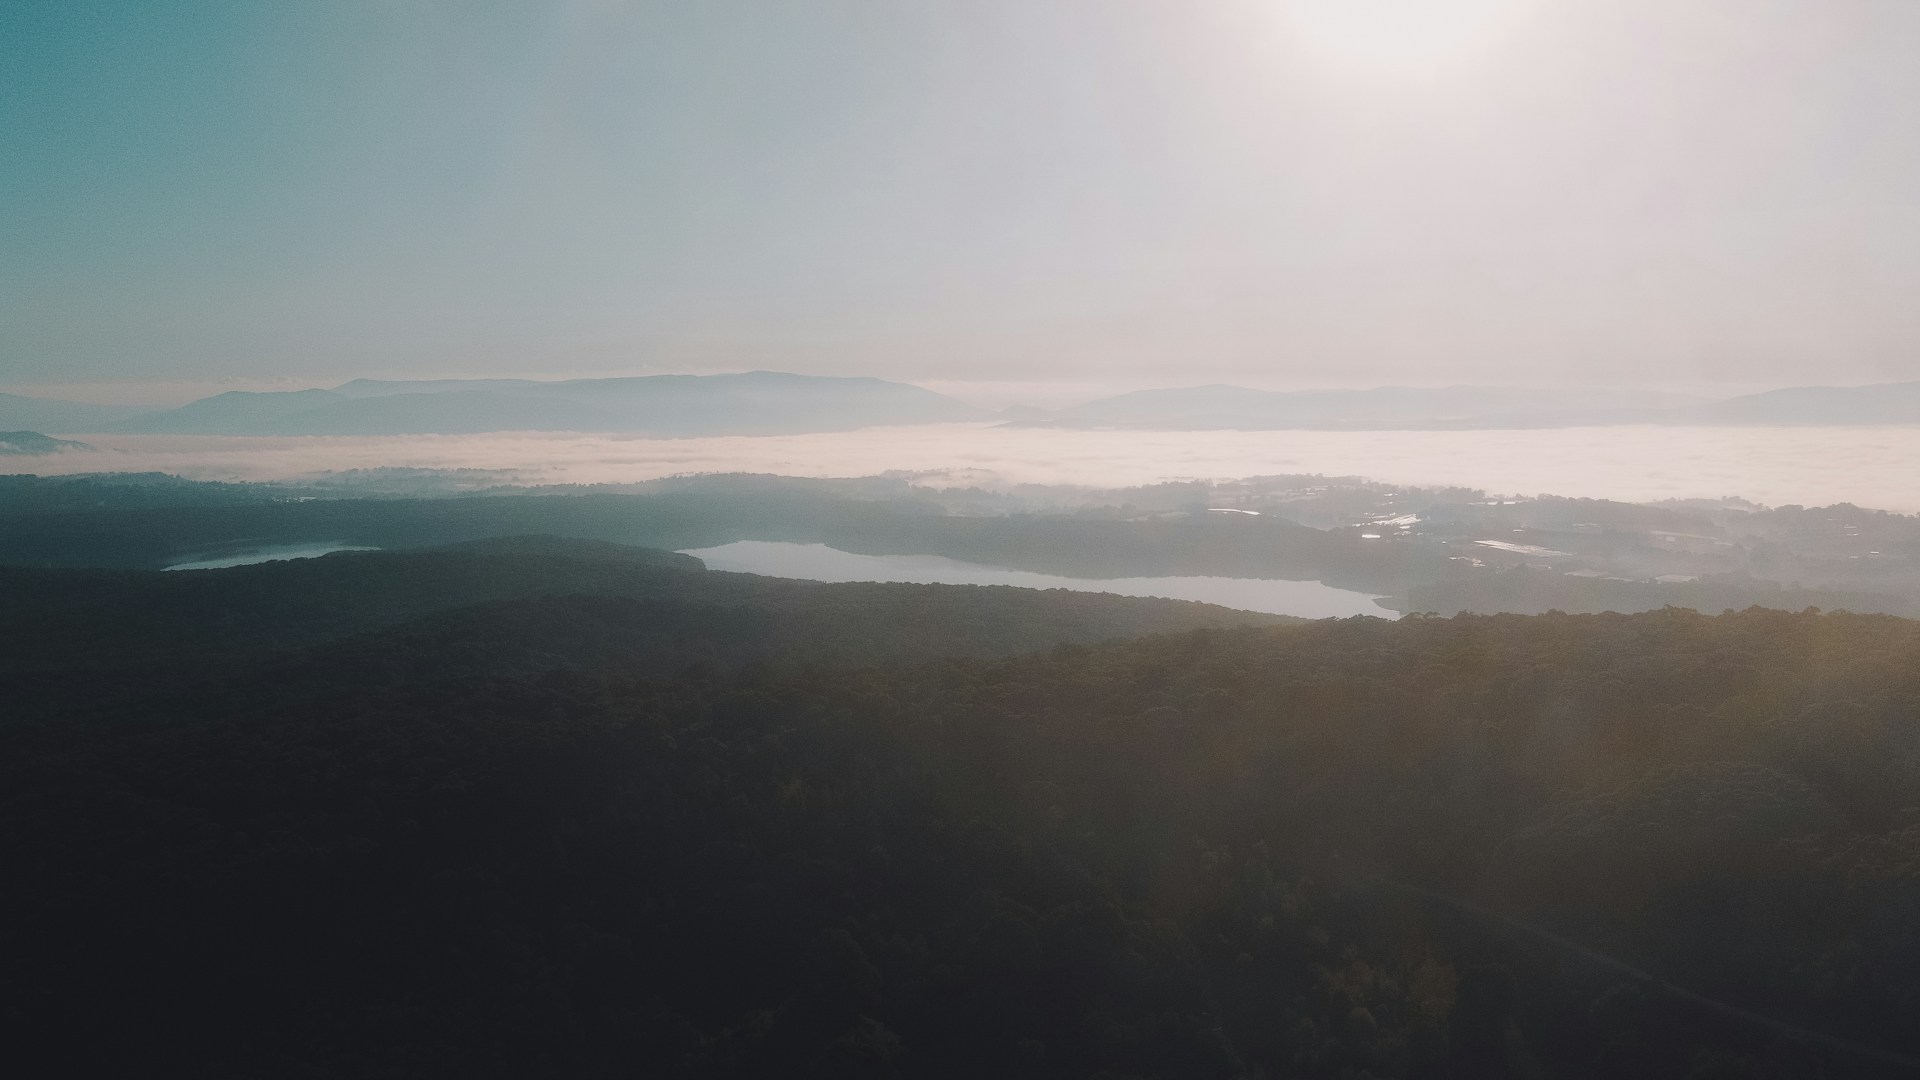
[272,553]
[1813,466]
[817,562]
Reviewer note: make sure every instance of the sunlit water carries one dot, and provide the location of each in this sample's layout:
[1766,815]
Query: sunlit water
[817,562]
[1870,466]
[265,554]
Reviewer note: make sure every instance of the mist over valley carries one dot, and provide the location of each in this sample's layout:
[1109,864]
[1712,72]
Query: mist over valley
[1030,539]
[1866,466]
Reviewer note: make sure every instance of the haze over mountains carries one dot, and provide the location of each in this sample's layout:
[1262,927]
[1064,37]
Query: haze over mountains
[754,403]
[18,411]
[776,403]
[1490,407]
[1239,407]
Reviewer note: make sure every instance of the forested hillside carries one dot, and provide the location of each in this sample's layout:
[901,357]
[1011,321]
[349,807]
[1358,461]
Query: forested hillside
[484,841]
[78,638]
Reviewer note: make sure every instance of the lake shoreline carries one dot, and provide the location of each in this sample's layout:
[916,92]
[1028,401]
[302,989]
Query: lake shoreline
[817,562]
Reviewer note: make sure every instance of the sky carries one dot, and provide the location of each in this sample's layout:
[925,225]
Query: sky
[1068,192]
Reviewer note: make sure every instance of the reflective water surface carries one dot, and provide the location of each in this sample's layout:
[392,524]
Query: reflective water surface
[265,554]
[817,562]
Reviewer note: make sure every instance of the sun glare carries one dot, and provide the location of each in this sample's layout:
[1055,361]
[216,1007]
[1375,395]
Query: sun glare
[1397,36]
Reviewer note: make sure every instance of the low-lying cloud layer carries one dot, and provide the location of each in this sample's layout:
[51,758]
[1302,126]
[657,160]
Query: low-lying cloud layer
[1812,466]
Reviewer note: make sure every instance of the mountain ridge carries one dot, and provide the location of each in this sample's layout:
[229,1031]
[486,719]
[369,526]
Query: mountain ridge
[781,403]
[750,403]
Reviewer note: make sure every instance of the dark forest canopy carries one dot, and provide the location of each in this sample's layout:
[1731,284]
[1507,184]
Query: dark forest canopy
[73,638]
[542,834]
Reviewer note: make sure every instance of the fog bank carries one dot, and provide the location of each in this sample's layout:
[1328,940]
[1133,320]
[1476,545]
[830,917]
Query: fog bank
[1811,466]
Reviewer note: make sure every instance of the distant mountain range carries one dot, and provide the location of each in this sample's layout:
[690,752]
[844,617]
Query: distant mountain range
[775,403]
[754,403]
[1238,407]
[1221,407]
[1886,403]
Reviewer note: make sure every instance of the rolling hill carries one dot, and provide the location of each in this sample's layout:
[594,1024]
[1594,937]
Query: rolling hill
[548,596]
[28,443]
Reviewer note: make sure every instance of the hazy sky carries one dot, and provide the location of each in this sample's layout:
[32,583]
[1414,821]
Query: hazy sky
[1273,192]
